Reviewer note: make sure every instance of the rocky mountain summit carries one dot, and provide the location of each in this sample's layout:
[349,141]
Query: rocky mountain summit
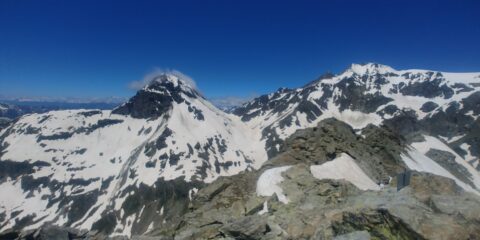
[317,162]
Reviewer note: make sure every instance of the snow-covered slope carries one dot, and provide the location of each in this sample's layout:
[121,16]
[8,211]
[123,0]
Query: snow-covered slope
[135,168]
[434,156]
[72,167]
[443,104]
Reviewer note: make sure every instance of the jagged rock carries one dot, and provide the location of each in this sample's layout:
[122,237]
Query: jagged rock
[324,209]
[248,227]
[46,233]
[378,153]
[379,223]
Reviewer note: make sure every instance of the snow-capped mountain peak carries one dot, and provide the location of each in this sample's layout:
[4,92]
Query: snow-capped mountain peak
[364,94]
[166,131]
[159,95]
[172,81]
[369,68]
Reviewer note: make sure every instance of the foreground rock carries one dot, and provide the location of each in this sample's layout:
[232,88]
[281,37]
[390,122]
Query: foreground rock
[431,207]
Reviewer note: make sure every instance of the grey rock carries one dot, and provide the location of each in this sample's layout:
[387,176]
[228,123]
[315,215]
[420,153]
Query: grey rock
[358,235]
[447,161]
[249,227]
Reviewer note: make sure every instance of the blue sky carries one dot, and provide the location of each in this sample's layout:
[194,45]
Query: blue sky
[231,48]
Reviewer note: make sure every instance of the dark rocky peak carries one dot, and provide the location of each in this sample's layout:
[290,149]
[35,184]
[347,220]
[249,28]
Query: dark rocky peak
[157,97]
[171,84]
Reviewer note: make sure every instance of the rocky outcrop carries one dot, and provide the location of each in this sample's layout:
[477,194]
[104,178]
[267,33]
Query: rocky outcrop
[431,207]
[377,151]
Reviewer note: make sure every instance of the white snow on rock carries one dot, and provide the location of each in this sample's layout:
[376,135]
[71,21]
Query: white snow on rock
[192,193]
[474,161]
[359,75]
[267,183]
[415,159]
[344,167]
[264,209]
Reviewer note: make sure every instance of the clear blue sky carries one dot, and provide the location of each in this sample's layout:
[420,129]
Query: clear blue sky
[231,48]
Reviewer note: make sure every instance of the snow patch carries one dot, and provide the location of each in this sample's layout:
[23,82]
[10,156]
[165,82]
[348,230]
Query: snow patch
[264,209]
[344,167]
[192,192]
[267,183]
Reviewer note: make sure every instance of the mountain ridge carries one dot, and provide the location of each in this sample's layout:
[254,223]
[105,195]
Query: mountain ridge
[133,169]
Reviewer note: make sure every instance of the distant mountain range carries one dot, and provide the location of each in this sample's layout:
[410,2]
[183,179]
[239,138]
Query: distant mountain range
[167,163]
[12,108]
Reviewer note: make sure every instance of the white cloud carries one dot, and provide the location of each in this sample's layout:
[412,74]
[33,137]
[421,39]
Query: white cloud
[139,84]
